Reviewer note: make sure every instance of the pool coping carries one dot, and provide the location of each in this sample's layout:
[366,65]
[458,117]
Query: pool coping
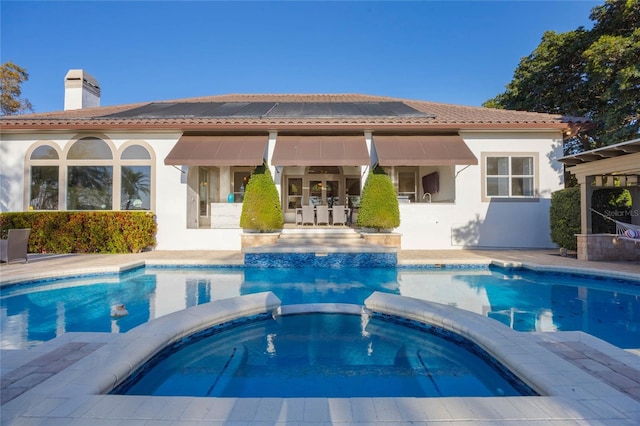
[571,393]
[119,267]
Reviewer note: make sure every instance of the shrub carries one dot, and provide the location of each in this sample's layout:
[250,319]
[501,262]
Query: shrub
[564,216]
[84,232]
[261,209]
[379,202]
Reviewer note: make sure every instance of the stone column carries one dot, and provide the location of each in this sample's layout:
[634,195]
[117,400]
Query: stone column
[635,204]
[586,191]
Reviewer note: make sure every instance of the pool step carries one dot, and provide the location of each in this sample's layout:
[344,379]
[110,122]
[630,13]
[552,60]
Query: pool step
[321,237]
[343,232]
[319,240]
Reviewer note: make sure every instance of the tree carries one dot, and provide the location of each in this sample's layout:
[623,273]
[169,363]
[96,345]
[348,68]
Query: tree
[11,78]
[591,73]
[379,202]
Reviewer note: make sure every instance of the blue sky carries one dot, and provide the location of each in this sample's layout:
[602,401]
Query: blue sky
[459,52]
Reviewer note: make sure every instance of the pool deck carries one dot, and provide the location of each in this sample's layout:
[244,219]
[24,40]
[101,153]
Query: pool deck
[583,379]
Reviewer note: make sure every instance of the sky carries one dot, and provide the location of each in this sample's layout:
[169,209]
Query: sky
[456,52]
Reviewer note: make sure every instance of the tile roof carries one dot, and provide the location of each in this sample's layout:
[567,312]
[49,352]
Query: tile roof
[437,116]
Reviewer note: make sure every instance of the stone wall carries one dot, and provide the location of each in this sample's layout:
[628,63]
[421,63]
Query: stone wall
[385,239]
[255,239]
[607,247]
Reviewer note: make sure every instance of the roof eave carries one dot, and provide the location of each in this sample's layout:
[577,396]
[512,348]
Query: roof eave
[93,125]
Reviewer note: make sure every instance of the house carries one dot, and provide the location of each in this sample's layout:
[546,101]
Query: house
[465,176]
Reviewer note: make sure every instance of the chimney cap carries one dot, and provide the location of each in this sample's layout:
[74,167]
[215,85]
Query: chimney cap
[83,76]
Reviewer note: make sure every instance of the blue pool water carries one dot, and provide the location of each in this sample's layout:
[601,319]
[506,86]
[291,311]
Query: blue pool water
[324,355]
[523,300]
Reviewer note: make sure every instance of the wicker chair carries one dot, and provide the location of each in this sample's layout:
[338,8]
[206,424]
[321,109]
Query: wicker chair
[15,246]
[308,215]
[339,215]
[322,215]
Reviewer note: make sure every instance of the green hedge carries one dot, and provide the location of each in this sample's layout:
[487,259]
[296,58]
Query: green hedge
[564,215]
[84,232]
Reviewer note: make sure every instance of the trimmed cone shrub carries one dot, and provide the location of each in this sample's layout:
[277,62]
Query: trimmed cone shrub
[261,209]
[379,202]
[564,216]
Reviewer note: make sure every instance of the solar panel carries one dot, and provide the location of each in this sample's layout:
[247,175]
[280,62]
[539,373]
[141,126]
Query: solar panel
[270,109]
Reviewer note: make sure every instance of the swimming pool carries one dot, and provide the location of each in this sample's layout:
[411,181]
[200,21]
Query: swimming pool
[324,355]
[521,299]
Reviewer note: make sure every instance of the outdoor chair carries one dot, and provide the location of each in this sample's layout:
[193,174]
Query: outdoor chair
[322,215]
[339,215]
[308,215]
[15,246]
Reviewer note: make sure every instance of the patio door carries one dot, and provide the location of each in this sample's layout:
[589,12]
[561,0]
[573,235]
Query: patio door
[324,192]
[207,194]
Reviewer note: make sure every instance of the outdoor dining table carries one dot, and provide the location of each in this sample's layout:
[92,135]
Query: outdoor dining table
[299,214]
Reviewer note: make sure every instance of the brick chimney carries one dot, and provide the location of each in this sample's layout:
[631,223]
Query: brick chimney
[81,90]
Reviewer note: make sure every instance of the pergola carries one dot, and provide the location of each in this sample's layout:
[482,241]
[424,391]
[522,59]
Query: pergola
[610,166]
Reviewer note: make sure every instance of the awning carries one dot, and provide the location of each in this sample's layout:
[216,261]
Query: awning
[320,151]
[432,150]
[218,151]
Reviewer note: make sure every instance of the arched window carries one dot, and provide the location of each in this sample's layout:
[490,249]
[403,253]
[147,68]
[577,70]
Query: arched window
[90,175]
[332,170]
[89,149]
[44,178]
[135,178]
[45,152]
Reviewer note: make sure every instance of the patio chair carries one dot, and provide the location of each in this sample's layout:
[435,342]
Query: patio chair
[298,216]
[322,215]
[339,215]
[308,215]
[15,246]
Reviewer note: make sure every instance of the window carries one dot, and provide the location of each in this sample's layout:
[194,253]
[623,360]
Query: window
[135,187]
[90,149]
[135,178]
[509,176]
[353,192]
[323,170]
[294,193]
[44,152]
[240,181]
[405,182]
[90,188]
[90,177]
[407,187]
[44,178]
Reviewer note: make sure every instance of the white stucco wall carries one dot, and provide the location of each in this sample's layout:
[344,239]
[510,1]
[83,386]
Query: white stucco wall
[474,223]
[444,224]
[170,187]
